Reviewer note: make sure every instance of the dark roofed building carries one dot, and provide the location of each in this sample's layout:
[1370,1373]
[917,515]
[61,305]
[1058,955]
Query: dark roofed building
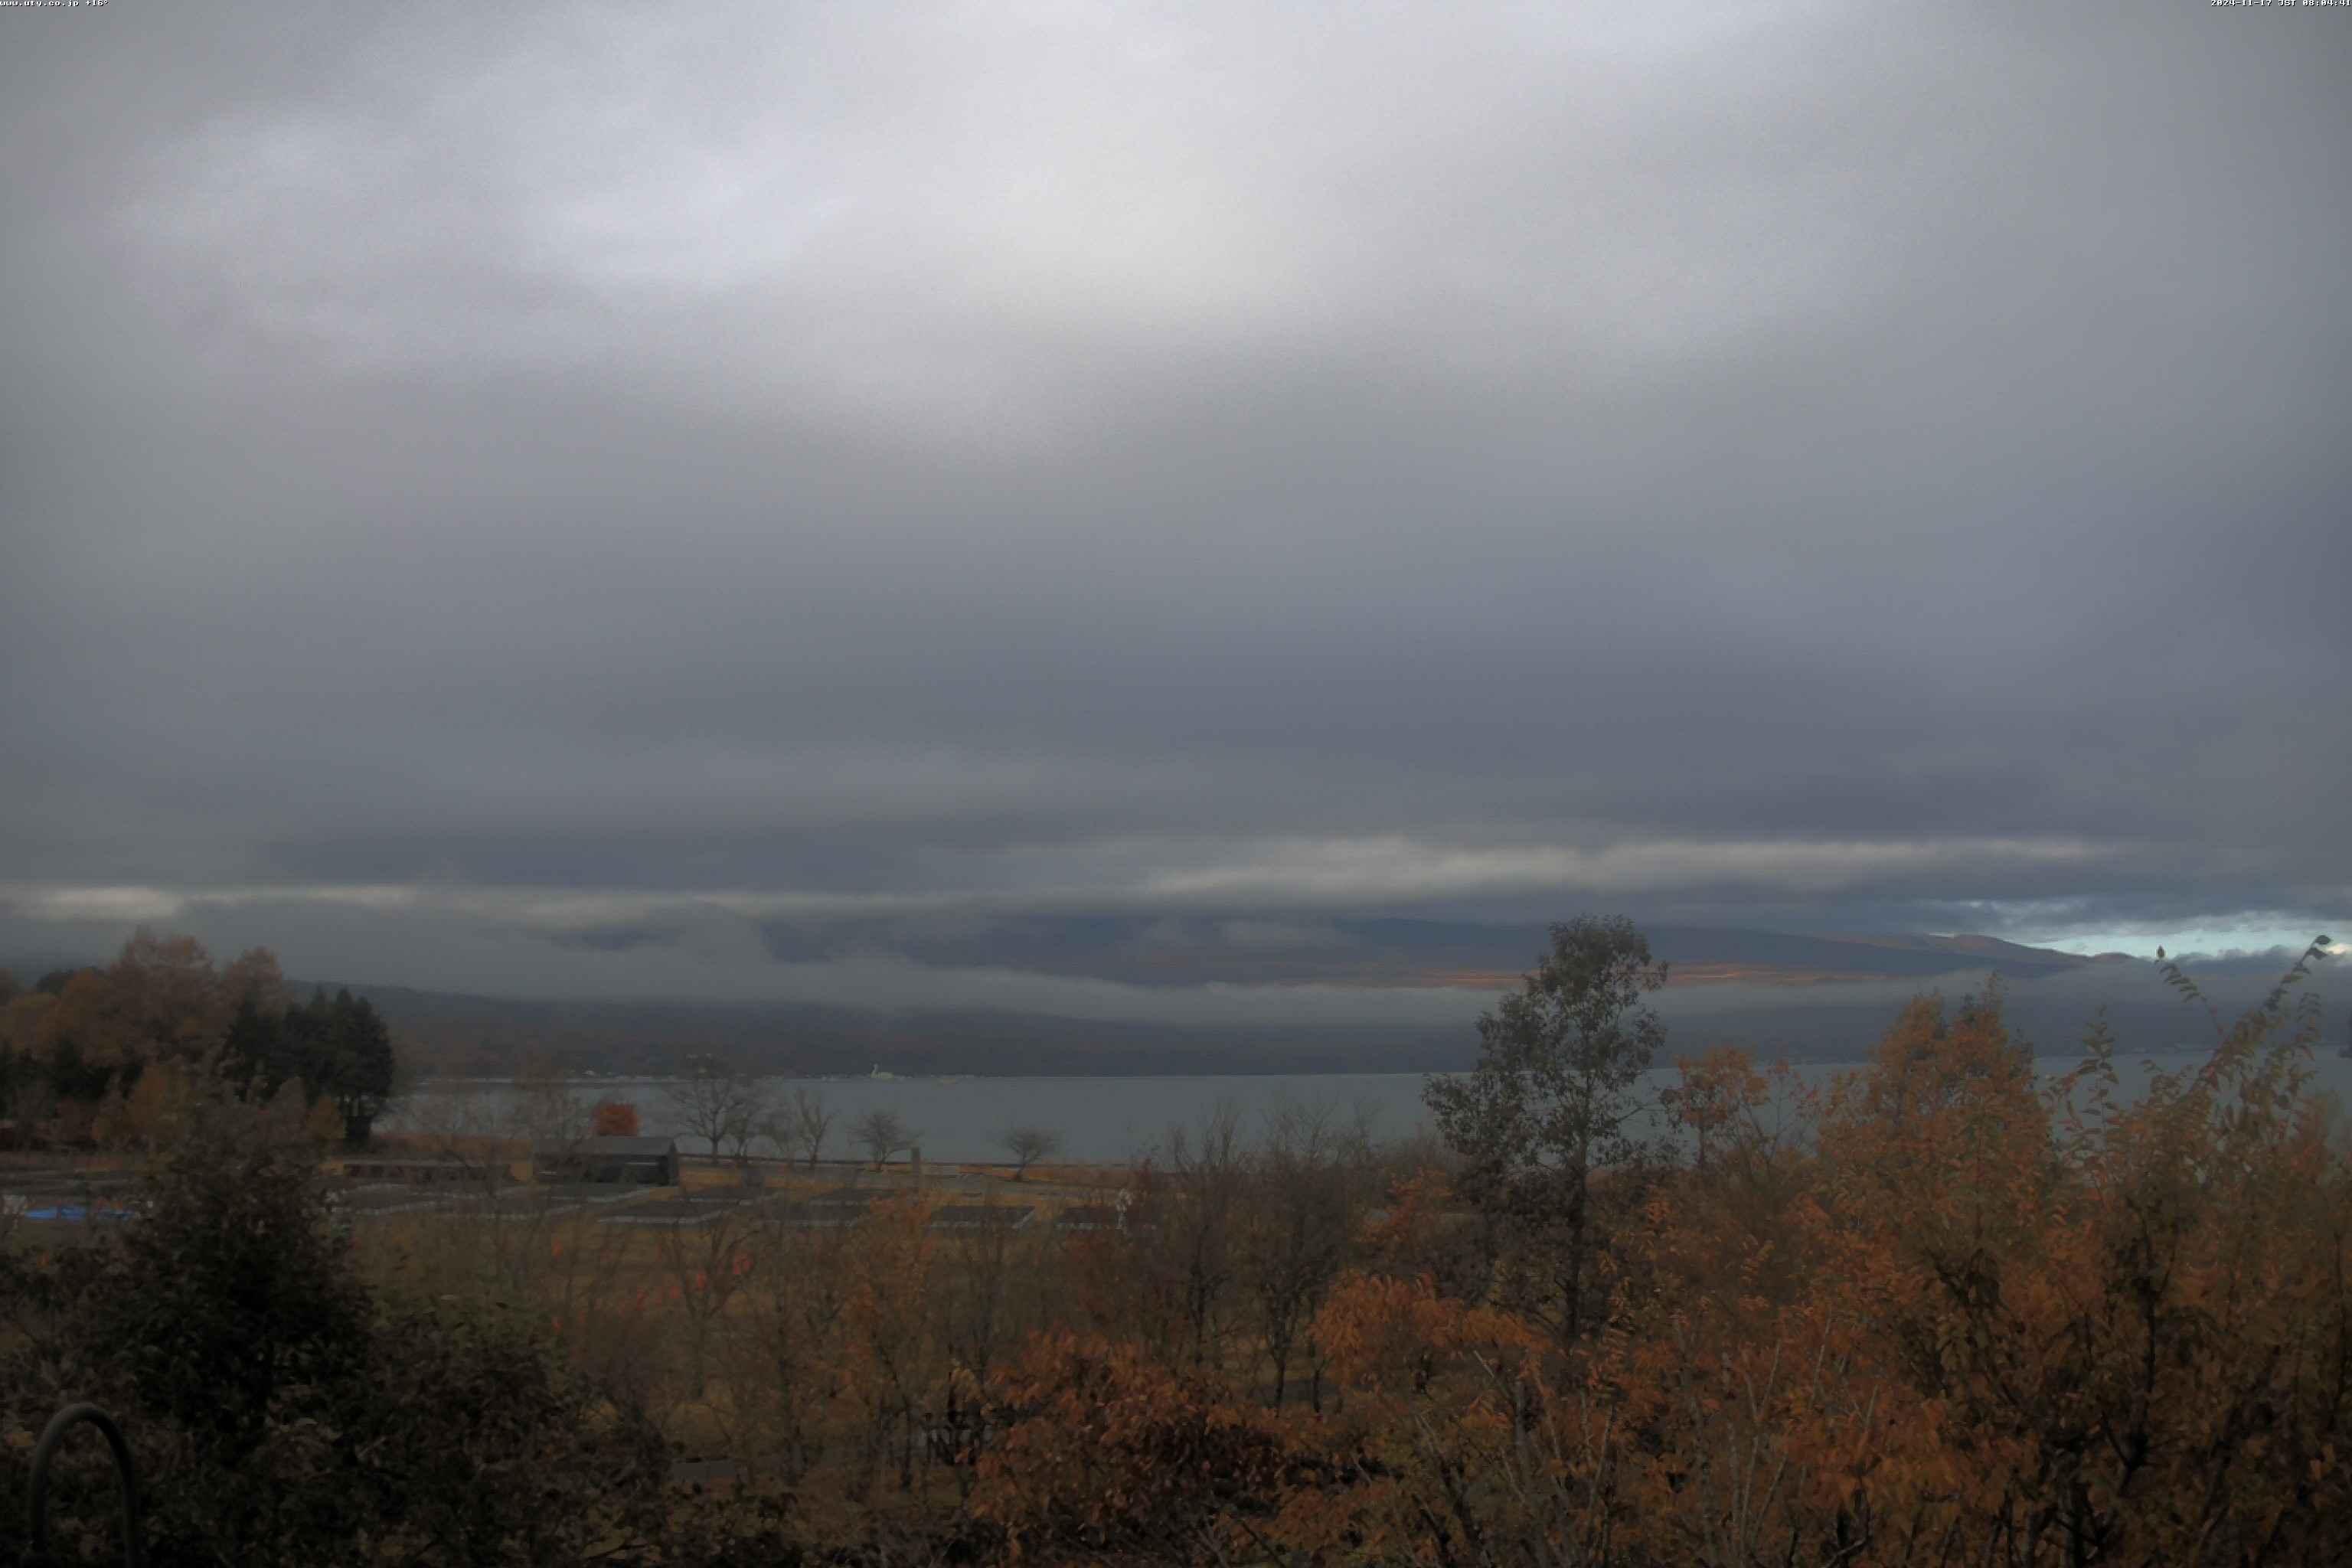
[624,1161]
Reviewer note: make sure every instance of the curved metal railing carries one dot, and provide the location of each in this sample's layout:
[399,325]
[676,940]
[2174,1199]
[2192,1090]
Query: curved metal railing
[36,1489]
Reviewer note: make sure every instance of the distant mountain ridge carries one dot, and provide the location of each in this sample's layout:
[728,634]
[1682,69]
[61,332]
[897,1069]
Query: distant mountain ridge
[493,1035]
[1387,953]
[1700,955]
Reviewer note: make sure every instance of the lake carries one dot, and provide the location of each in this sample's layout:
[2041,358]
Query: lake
[1100,1120]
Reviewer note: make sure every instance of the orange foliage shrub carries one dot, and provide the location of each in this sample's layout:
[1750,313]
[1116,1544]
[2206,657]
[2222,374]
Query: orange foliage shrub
[1104,1446]
[1470,1438]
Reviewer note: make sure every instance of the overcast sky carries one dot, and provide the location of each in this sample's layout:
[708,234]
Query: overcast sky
[531,496]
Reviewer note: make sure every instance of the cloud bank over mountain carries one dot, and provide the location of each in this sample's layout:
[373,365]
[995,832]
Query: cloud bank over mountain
[576,494]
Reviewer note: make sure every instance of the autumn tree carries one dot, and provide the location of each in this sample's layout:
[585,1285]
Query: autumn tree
[889,1337]
[162,996]
[991,1291]
[2001,1320]
[2128,1309]
[86,1035]
[705,1257]
[1554,1098]
[790,1373]
[1106,1450]
[98,1029]
[1484,1453]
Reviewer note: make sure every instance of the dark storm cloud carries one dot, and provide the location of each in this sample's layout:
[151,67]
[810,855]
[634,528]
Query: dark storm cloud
[531,473]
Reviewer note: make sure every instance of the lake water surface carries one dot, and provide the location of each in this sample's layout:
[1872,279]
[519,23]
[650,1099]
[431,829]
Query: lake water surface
[1105,1120]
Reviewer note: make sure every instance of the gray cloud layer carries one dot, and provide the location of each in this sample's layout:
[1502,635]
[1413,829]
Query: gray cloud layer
[1806,463]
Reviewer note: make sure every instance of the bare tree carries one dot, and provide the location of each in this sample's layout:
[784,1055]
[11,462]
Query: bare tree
[881,1134]
[800,1125]
[791,1302]
[1313,1175]
[540,1116]
[546,1111]
[994,1296]
[706,1261]
[716,1101]
[1208,1171]
[1027,1145]
[753,1118]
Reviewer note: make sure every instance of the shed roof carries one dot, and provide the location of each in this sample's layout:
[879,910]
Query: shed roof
[628,1146]
[625,1148]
